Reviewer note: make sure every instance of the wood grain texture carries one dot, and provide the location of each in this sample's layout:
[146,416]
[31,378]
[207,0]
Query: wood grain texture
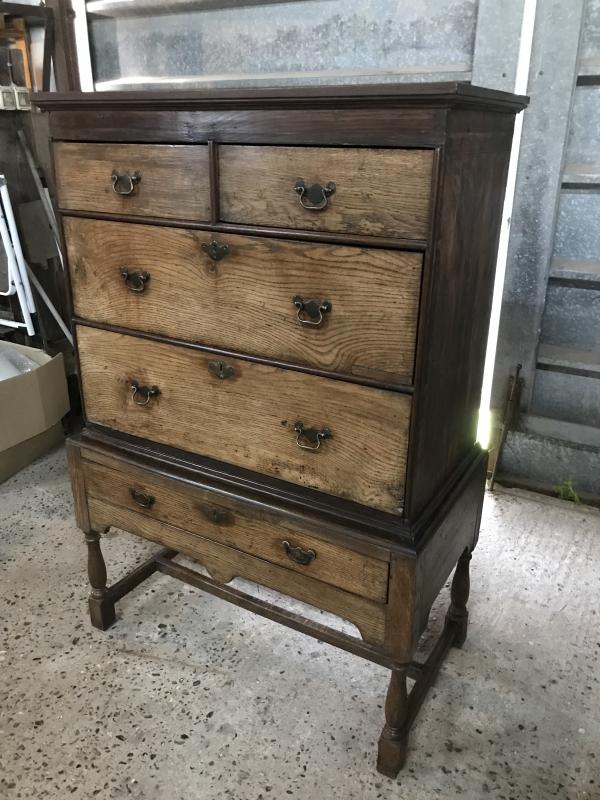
[400,639]
[244,302]
[387,95]
[239,526]
[383,127]
[78,488]
[274,612]
[393,742]
[225,563]
[455,530]
[248,419]
[457,295]
[362,528]
[385,191]
[174,179]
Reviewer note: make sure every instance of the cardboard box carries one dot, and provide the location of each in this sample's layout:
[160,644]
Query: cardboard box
[31,408]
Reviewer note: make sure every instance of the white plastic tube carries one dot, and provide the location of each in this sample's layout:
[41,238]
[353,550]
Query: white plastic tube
[14,276]
[10,257]
[16,243]
[50,306]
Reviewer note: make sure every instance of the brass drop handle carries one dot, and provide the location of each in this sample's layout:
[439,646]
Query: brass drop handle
[221,369]
[314,197]
[298,554]
[310,438]
[143,393]
[123,183]
[135,281]
[311,312]
[141,498]
[215,250]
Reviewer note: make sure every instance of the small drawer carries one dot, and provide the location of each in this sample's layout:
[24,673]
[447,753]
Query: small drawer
[376,192]
[351,310]
[299,427]
[226,563]
[169,181]
[269,536]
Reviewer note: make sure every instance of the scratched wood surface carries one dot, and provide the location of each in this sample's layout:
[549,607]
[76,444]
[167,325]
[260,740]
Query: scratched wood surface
[378,191]
[224,521]
[248,419]
[226,563]
[173,184]
[243,302]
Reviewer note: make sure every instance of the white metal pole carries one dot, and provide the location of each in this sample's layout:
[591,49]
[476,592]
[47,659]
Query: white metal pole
[14,235]
[49,304]
[10,257]
[14,272]
[82,46]
[484,428]
[10,323]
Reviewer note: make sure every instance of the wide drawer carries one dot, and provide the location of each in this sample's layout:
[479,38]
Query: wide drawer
[272,537]
[226,563]
[378,192]
[169,181]
[163,280]
[255,416]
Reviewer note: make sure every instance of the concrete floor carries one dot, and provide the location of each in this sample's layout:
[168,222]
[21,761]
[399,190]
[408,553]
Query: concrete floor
[188,697]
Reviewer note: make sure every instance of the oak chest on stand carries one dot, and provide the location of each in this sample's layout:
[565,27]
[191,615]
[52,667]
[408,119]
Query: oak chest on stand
[280,302]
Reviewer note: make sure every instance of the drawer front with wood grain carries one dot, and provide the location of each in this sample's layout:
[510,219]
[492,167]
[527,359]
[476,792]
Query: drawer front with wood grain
[342,438]
[274,538]
[226,563]
[375,192]
[351,310]
[168,181]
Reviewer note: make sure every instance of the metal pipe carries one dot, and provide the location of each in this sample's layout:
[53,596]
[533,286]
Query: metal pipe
[11,323]
[10,257]
[13,269]
[16,243]
[40,290]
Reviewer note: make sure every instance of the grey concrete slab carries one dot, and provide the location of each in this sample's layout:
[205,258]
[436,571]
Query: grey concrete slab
[548,462]
[566,359]
[583,145]
[188,698]
[590,42]
[584,273]
[545,124]
[572,317]
[577,229]
[297,42]
[558,429]
[572,398]
[587,174]
[497,43]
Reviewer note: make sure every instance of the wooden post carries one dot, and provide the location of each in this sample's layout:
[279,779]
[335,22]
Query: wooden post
[393,741]
[102,609]
[459,594]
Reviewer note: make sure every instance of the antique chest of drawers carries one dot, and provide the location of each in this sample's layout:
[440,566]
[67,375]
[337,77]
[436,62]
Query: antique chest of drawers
[280,302]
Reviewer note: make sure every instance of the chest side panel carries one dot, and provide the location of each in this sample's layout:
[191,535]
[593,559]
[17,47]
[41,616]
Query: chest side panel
[455,309]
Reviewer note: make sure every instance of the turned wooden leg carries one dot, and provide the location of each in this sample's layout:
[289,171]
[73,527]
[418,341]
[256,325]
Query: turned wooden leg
[459,594]
[102,609]
[393,741]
